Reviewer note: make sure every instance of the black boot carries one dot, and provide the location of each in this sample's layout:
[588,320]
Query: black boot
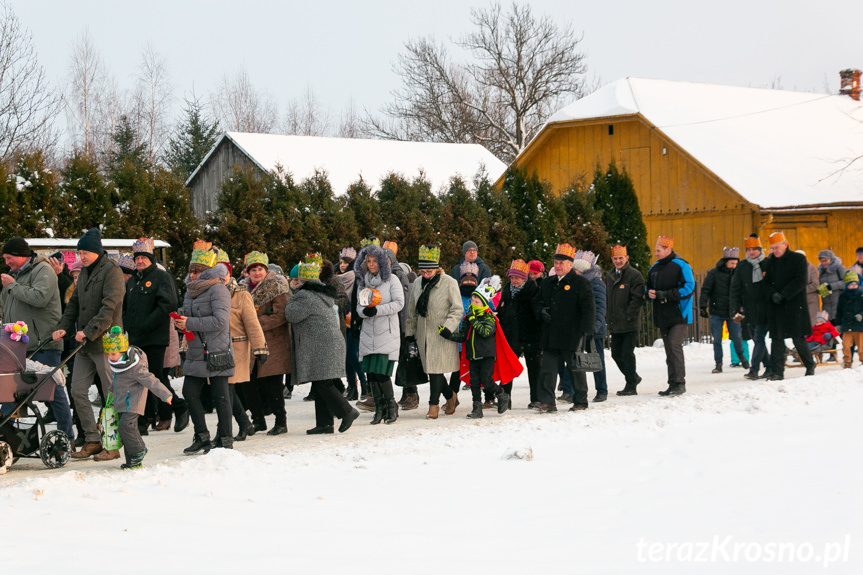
[201,443]
[181,420]
[226,442]
[348,420]
[245,431]
[717,369]
[744,364]
[503,401]
[380,403]
[364,390]
[674,389]
[351,393]
[402,399]
[392,410]
[477,411]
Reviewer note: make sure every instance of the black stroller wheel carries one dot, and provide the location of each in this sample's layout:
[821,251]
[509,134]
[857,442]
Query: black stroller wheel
[55,449]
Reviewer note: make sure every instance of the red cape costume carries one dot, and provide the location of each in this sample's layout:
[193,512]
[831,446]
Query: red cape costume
[506,364]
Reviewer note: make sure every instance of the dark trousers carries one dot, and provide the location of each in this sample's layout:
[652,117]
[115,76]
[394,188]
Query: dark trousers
[221,394]
[481,371]
[353,365]
[329,402]
[438,385]
[550,360]
[759,350]
[133,443]
[533,363]
[155,407]
[672,339]
[455,381]
[249,394]
[777,352]
[272,392]
[237,409]
[599,380]
[623,354]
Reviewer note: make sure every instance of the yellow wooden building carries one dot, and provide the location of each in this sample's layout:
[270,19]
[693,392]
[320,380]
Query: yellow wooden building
[712,164]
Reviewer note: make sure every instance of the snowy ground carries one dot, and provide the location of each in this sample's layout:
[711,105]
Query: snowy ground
[733,477]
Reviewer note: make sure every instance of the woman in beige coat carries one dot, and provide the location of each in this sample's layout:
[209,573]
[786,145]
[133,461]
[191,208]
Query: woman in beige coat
[435,301]
[249,344]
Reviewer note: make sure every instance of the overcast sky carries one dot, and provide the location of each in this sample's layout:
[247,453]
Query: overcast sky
[345,50]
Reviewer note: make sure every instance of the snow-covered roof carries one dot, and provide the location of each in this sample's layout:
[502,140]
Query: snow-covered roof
[776,148]
[347,159]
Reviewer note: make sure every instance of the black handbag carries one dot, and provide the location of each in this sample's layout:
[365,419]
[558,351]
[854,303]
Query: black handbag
[586,358]
[217,360]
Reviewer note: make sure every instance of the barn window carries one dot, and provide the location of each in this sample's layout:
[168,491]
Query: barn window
[611,129]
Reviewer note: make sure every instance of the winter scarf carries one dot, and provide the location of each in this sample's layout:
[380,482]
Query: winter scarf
[208,278]
[514,290]
[423,300]
[373,280]
[757,276]
[129,360]
[233,286]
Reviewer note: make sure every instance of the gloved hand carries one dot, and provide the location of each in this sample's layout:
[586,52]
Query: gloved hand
[824,290]
[262,358]
[660,295]
[777,298]
[545,314]
[704,312]
[859,317]
[444,332]
[370,311]
[828,336]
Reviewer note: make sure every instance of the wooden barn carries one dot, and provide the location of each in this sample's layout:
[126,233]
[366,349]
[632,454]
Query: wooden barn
[712,164]
[344,160]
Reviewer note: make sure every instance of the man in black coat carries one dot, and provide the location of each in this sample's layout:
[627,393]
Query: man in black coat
[715,304]
[786,273]
[670,284]
[625,290]
[151,295]
[520,324]
[470,254]
[566,306]
[749,297]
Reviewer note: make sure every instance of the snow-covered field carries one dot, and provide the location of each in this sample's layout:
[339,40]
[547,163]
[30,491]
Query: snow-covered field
[734,477]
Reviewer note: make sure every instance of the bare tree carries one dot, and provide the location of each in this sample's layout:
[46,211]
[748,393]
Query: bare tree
[351,123]
[84,92]
[114,106]
[240,107]
[522,67]
[306,116]
[152,100]
[28,104]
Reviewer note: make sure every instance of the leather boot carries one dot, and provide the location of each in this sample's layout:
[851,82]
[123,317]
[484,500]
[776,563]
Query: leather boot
[107,455]
[163,425]
[403,398]
[226,442]
[449,406]
[717,369]
[88,449]
[392,411]
[477,411]
[201,443]
[434,410]
[364,390]
[379,402]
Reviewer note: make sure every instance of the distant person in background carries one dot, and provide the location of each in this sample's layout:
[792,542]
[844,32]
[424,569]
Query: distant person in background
[850,311]
[812,285]
[831,274]
[715,305]
[625,293]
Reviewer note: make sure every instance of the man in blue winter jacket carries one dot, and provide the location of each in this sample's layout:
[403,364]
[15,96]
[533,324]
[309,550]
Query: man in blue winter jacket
[670,285]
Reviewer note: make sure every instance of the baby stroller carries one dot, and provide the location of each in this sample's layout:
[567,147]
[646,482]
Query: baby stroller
[22,433]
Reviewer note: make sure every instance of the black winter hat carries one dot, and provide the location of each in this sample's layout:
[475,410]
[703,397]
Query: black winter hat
[91,241]
[17,247]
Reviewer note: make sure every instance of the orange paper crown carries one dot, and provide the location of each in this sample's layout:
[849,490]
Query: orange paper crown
[519,268]
[665,241]
[618,250]
[565,251]
[777,238]
[202,245]
[388,245]
[752,241]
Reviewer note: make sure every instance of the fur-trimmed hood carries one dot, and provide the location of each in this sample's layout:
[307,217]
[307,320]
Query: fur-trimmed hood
[272,286]
[383,263]
[317,286]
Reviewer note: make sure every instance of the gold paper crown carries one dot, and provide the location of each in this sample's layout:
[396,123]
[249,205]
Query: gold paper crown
[201,245]
[752,241]
[203,254]
[388,245]
[618,251]
[777,238]
[565,250]
[255,258]
[429,253]
[222,257]
[314,258]
[144,246]
[115,341]
[519,267]
[665,241]
[371,240]
[309,271]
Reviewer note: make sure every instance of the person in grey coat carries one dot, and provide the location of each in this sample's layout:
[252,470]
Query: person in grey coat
[831,274]
[585,265]
[206,313]
[95,306]
[319,348]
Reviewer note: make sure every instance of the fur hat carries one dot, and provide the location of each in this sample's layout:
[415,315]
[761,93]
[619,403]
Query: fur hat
[618,251]
[665,242]
[753,241]
[518,268]
[564,252]
[730,253]
[91,241]
[429,257]
[777,238]
[17,247]
[115,341]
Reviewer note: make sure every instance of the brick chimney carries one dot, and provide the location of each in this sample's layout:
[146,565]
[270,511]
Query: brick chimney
[849,83]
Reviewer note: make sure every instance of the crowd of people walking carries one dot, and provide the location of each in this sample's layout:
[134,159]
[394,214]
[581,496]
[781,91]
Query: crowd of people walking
[361,328]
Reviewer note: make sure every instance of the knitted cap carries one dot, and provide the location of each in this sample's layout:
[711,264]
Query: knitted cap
[348,253]
[518,268]
[777,238]
[295,272]
[115,341]
[17,247]
[91,241]
[388,245]
[826,254]
[467,246]
[753,241]
[468,268]
[731,253]
[618,251]
[564,252]
[536,266]
[665,242]
[144,247]
[822,315]
[276,268]
[851,277]
[429,257]
[309,271]
[255,258]
[371,240]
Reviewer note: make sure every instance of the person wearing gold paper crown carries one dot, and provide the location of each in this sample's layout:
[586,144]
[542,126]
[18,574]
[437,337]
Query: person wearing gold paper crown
[749,297]
[131,380]
[209,358]
[625,290]
[520,324]
[671,285]
[318,347]
[270,292]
